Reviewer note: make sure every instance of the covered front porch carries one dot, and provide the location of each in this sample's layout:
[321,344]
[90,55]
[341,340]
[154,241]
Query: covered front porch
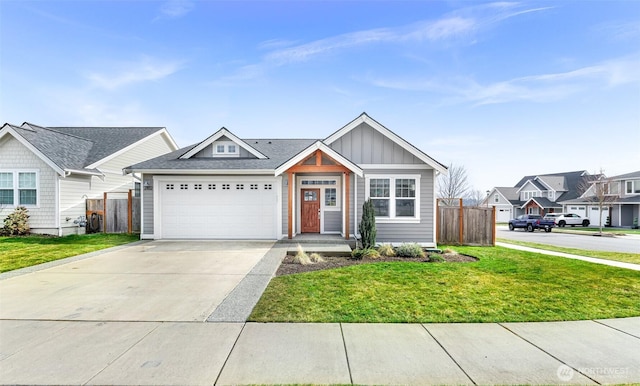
[319,190]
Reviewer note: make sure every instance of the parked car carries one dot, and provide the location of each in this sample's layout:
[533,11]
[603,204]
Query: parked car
[531,222]
[562,219]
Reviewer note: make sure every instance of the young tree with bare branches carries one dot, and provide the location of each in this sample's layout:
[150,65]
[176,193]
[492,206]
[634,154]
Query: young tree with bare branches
[453,185]
[598,191]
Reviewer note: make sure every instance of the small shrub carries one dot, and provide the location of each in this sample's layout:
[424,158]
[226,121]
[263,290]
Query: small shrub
[16,223]
[301,257]
[410,250]
[386,250]
[316,258]
[436,258]
[449,251]
[369,253]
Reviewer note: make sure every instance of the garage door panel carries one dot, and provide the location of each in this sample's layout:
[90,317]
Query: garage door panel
[237,208]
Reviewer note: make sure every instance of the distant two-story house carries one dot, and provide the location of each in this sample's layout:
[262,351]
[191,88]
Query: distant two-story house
[621,202]
[570,192]
[538,194]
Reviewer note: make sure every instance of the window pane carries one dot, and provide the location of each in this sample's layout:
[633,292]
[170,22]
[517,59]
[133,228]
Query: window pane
[6,180]
[379,187]
[27,197]
[220,148]
[405,187]
[6,197]
[405,208]
[26,180]
[330,197]
[381,207]
[232,148]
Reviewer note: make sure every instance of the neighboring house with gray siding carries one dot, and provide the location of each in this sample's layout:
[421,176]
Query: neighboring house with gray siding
[53,170]
[226,187]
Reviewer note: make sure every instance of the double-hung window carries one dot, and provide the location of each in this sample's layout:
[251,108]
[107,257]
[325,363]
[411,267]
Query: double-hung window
[394,198]
[19,188]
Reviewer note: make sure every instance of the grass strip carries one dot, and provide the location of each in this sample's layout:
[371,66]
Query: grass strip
[503,286]
[26,251]
[633,258]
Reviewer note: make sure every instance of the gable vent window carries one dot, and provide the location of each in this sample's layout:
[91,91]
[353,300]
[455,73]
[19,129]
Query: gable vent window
[212,186]
[169,186]
[184,186]
[232,149]
[267,187]
[239,186]
[254,186]
[197,186]
[220,148]
[225,186]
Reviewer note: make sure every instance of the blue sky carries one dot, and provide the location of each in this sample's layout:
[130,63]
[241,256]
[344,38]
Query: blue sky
[505,89]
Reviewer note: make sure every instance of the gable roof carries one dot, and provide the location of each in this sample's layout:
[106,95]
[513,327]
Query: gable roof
[78,149]
[626,176]
[542,202]
[318,145]
[364,118]
[509,193]
[568,183]
[223,132]
[276,151]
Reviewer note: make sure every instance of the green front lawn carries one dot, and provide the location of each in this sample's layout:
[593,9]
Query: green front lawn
[504,286]
[633,258]
[25,251]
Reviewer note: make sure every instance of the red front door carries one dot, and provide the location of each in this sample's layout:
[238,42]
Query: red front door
[310,206]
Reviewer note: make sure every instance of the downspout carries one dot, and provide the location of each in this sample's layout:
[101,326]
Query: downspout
[355,207]
[57,202]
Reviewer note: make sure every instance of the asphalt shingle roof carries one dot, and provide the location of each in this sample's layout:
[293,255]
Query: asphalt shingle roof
[277,151]
[78,147]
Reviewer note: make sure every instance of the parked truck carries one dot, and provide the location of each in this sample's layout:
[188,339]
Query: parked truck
[531,222]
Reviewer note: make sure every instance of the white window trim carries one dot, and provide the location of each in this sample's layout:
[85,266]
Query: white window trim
[392,219]
[16,188]
[632,184]
[337,186]
[226,152]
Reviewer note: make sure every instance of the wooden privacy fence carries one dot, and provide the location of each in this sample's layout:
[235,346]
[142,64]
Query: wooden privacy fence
[116,212]
[463,225]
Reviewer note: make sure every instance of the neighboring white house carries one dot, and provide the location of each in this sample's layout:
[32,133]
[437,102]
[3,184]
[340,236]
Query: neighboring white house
[226,187]
[52,170]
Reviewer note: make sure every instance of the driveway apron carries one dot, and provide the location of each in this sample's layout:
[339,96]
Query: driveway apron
[161,281]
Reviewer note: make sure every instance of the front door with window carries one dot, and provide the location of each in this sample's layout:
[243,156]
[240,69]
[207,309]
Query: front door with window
[310,206]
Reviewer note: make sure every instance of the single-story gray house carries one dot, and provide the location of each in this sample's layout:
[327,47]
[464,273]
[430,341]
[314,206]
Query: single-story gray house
[52,171]
[226,187]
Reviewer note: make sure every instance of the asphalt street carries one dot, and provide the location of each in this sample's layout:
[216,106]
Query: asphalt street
[626,244]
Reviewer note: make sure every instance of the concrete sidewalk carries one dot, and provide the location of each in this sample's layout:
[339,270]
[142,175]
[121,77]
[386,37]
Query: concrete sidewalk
[613,263]
[168,353]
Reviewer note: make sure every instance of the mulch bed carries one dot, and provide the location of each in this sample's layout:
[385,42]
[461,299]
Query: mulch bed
[288,267]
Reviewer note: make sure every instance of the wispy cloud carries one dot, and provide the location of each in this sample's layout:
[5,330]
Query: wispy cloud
[620,30]
[142,70]
[535,88]
[176,8]
[455,25]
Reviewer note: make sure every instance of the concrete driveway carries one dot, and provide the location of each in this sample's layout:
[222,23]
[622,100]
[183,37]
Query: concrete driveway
[159,281]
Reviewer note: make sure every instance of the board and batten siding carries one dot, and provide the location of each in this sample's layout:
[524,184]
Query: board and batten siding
[365,145]
[421,232]
[14,157]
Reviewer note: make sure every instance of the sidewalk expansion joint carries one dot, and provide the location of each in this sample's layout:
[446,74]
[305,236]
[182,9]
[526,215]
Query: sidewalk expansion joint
[448,354]
[617,329]
[229,355]
[549,354]
[346,354]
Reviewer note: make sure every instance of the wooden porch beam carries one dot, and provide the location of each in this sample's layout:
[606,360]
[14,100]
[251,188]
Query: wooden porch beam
[347,187]
[318,169]
[318,158]
[290,206]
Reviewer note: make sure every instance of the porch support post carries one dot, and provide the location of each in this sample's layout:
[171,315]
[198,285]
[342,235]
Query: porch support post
[347,216]
[290,206]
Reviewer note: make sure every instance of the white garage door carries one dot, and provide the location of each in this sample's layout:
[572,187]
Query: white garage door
[580,210]
[503,215]
[218,208]
[594,215]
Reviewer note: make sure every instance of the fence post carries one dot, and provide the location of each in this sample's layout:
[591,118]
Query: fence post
[493,227]
[104,213]
[129,211]
[461,223]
